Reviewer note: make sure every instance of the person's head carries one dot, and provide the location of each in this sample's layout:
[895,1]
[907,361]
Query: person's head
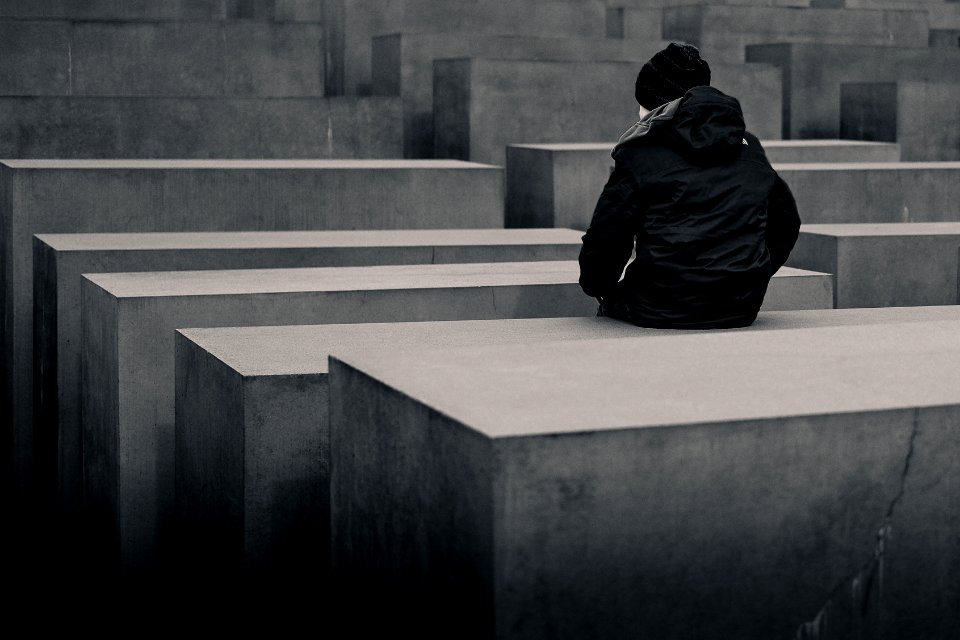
[669,74]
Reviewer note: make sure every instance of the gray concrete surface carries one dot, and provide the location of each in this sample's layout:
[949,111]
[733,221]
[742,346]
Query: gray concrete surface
[482,105]
[719,485]
[813,73]
[237,58]
[152,127]
[884,265]
[868,111]
[78,196]
[60,259]
[239,387]
[403,65]
[928,121]
[351,24]
[723,32]
[159,10]
[127,352]
[875,192]
[558,184]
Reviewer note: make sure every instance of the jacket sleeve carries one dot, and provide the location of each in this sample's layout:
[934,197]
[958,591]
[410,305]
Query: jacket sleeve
[608,242]
[783,223]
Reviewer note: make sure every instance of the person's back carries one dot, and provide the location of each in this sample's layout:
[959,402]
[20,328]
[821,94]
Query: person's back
[694,193]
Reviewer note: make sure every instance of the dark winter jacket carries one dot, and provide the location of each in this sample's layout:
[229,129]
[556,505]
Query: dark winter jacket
[711,219]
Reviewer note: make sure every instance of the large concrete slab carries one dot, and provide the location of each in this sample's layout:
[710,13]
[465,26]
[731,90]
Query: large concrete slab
[735,485]
[153,127]
[351,24]
[244,58]
[923,116]
[263,390]
[884,265]
[875,192]
[558,184]
[128,356]
[723,32]
[60,259]
[79,196]
[813,73]
[482,105]
[162,10]
[403,65]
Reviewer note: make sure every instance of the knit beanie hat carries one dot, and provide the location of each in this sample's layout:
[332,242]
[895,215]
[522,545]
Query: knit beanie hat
[669,74]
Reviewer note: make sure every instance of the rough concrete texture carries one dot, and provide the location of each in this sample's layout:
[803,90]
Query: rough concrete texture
[875,192]
[482,105]
[160,10]
[162,59]
[813,73]
[156,127]
[718,485]
[557,185]
[138,312]
[723,32]
[928,119]
[60,259]
[884,265]
[351,24]
[868,111]
[949,38]
[403,65]
[219,407]
[76,196]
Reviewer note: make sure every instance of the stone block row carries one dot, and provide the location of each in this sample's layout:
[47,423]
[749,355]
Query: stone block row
[163,10]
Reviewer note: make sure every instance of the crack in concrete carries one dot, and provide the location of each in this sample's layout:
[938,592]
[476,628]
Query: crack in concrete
[861,581]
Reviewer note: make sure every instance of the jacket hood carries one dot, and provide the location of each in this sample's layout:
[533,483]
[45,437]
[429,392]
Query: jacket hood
[705,123]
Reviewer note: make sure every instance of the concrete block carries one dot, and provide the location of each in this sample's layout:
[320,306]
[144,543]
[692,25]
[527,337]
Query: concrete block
[635,23]
[403,65]
[813,73]
[196,59]
[239,387]
[481,105]
[59,127]
[351,24]
[875,192]
[110,196]
[114,9]
[884,265]
[723,32]
[948,38]
[60,259]
[868,111]
[130,318]
[928,119]
[557,185]
[34,58]
[715,485]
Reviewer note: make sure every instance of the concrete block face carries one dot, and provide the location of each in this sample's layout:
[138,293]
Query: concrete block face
[875,192]
[723,32]
[884,265]
[34,58]
[156,304]
[114,9]
[512,102]
[351,24]
[928,120]
[403,65]
[60,127]
[110,196]
[584,545]
[813,73]
[868,111]
[946,38]
[196,59]
[802,151]
[60,259]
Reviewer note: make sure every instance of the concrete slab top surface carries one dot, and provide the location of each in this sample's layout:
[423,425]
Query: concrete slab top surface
[601,385]
[884,229]
[344,164]
[428,276]
[599,146]
[303,349]
[307,239]
[866,166]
